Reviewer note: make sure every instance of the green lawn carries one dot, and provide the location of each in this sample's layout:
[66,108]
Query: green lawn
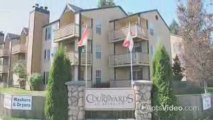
[210,89]
[18,91]
[18,119]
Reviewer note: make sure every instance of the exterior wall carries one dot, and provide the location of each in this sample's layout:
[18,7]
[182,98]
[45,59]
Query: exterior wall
[102,17]
[37,21]
[67,18]
[161,33]
[48,45]
[176,45]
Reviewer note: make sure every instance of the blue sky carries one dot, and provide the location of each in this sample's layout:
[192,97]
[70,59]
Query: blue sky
[14,14]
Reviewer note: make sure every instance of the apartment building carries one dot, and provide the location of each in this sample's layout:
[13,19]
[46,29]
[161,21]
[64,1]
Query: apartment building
[5,57]
[108,61]
[148,31]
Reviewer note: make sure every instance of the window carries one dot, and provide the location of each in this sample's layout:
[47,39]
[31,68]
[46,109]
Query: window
[137,74]
[98,76]
[137,47]
[48,33]
[98,28]
[82,74]
[48,54]
[98,52]
[151,29]
[45,54]
[156,17]
[45,77]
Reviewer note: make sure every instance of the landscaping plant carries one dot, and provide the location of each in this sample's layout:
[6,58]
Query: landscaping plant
[56,106]
[35,81]
[162,94]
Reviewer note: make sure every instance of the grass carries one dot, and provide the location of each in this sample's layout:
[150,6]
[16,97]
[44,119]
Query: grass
[18,119]
[18,91]
[210,89]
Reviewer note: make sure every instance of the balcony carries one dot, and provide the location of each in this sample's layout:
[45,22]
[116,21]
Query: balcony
[122,83]
[136,32]
[124,59]
[4,52]
[3,68]
[69,31]
[73,56]
[66,32]
[19,48]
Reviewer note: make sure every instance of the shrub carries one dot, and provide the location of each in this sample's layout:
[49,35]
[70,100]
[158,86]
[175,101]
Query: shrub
[162,93]
[56,106]
[35,81]
[177,69]
[20,69]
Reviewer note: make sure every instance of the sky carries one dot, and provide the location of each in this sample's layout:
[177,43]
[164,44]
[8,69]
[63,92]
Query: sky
[14,14]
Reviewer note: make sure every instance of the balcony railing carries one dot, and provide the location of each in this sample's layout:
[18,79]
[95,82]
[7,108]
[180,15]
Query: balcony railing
[122,83]
[19,48]
[138,58]
[136,32]
[4,52]
[68,31]
[3,68]
[74,58]
[71,30]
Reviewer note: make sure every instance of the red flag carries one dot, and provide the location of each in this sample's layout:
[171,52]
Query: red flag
[128,42]
[84,38]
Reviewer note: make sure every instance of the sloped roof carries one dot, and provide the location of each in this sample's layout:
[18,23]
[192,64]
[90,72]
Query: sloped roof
[11,36]
[74,8]
[92,9]
[1,33]
[25,31]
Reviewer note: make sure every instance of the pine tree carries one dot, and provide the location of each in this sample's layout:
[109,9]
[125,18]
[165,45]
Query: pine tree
[162,93]
[177,69]
[56,107]
[174,27]
[106,3]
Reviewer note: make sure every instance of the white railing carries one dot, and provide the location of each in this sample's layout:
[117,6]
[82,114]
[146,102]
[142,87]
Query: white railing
[123,83]
[73,56]
[138,58]
[136,31]
[19,48]
[71,30]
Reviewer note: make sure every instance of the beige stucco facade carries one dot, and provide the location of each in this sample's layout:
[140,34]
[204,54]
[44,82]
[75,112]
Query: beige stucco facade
[176,46]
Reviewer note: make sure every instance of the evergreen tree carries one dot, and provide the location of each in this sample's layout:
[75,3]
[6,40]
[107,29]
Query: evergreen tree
[56,107]
[174,27]
[162,94]
[106,3]
[177,69]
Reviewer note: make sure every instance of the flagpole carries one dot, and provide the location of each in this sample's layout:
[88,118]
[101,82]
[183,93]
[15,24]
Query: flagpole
[86,64]
[131,68]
